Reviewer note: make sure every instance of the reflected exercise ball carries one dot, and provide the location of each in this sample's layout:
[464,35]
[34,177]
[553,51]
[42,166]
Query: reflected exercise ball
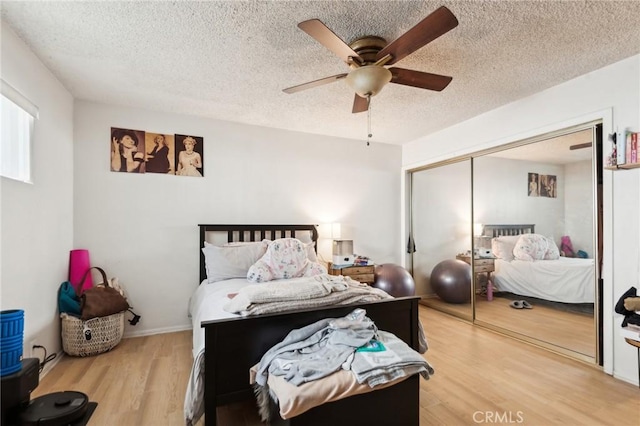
[451,280]
[394,279]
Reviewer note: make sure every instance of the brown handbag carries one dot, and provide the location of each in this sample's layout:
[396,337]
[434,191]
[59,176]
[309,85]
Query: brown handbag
[100,301]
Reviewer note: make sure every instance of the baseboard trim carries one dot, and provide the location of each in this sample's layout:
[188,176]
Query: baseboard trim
[151,332]
[625,378]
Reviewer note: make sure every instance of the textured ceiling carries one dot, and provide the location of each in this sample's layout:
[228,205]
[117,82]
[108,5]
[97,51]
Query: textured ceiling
[231,60]
[558,150]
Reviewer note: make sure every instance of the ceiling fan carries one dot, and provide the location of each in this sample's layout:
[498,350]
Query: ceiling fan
[368,56]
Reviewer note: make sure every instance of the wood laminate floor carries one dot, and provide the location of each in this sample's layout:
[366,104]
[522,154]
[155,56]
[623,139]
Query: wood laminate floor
[481,378]
[569,330]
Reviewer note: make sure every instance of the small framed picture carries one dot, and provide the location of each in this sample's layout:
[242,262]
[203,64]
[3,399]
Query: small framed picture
[548,186]
[127,150]
[532,185]
[160,153]
[189,155]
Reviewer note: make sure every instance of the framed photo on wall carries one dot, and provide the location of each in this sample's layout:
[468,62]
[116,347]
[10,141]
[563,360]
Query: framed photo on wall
[189,155]
[160,153]
[548,186]
[127,150]
[532,185]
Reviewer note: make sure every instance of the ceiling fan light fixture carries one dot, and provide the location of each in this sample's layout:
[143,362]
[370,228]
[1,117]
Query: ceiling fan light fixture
[368,80]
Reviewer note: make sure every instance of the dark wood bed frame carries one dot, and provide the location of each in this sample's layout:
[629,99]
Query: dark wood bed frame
[233,346]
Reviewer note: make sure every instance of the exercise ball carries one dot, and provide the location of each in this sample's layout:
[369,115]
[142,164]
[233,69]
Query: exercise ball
[394,279]
[451,280]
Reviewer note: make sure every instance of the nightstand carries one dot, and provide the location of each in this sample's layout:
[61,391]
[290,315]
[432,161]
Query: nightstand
[482,265]
[364,274]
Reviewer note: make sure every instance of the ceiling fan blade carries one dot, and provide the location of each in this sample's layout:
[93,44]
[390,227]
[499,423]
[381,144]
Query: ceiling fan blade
[580,146]
[360,104]
[427,30]
[419,79]
[316,29]
[314,83]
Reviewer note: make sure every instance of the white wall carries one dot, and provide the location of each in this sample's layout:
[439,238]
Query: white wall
[37,219]
[143,228]
[501,195]
[579,198]
[611,94]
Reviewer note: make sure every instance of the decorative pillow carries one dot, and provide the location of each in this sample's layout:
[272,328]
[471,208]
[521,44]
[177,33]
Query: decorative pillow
[305,238]
[553,252]
[311,251]
[285,258]
[232,260]
[309,247]
[532,247]
[502,247]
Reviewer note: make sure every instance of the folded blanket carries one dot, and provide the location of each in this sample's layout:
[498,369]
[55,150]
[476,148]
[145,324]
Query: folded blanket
[302,293]
[294,400]
[395,361]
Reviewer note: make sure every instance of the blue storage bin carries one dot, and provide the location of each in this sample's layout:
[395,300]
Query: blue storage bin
[11,341]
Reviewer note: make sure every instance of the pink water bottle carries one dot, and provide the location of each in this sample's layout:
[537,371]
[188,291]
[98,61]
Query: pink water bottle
[489,291]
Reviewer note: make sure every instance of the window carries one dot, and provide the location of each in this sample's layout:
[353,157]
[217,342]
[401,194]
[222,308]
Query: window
[16,126]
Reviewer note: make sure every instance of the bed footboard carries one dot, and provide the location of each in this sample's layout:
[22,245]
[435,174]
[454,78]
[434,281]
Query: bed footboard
[392,406]
[233,346]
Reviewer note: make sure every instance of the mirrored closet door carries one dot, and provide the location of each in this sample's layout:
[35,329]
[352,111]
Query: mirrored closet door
[536,204]
[528,212]
[441,230]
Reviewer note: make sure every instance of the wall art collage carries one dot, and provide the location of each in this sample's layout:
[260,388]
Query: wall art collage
[542,185]
[137,151]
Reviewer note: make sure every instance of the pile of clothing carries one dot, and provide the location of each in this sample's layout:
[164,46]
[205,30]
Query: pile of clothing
[353,343]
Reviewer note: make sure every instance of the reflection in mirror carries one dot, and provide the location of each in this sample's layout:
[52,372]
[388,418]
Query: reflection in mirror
[538,274]
[441,229]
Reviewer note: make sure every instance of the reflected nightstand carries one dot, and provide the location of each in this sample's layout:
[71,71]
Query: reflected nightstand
[482,265]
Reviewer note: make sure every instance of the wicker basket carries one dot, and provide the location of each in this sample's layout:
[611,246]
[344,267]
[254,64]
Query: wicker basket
[91,337]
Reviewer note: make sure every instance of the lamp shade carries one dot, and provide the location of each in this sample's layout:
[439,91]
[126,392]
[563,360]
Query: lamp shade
[368,80]
[336,230]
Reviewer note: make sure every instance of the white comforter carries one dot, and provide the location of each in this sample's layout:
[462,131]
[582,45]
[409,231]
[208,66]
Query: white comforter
[215,295]
[567,280]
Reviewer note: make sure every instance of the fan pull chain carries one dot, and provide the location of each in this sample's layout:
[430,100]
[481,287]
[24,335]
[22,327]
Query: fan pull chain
[369,120]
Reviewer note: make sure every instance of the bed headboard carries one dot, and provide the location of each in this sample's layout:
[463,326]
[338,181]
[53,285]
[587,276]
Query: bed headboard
[239,233]
[499,230]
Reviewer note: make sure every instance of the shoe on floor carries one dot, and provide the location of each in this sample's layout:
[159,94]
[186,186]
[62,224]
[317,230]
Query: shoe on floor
[526,304]
[516,304]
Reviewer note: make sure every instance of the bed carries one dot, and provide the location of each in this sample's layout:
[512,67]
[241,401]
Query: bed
[232,344]
[565,280]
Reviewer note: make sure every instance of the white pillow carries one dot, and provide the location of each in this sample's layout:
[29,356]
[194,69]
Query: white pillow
[532,247]
[502,247]
[232,260]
